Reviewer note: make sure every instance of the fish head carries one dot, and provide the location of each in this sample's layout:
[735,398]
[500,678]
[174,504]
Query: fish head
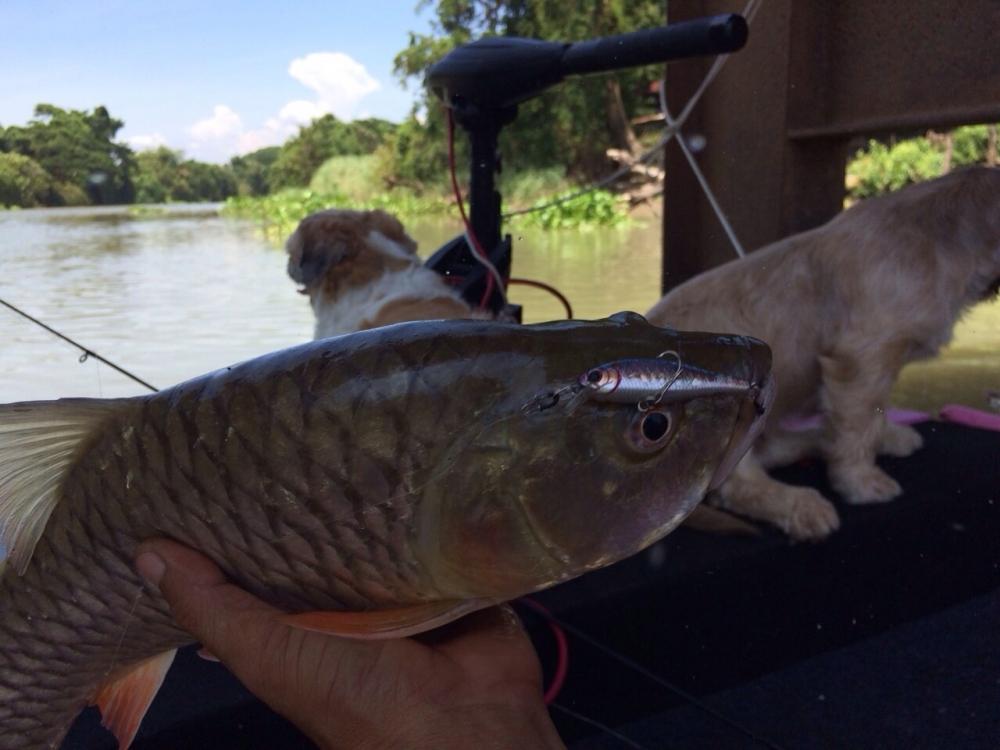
[549,484]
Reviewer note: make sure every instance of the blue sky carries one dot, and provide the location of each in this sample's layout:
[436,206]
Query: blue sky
[211,78]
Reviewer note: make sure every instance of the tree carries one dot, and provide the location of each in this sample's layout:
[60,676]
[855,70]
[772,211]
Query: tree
[156,172]
[570,125]
[78,150]
[251,170]
[23,182]
[164,175]
[326,136]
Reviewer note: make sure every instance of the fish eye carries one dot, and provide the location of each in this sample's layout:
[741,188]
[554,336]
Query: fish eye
[594,376]
[655,425]
[650,431]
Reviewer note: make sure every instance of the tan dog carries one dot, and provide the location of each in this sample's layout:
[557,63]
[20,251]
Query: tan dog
[361,271]
[844,307]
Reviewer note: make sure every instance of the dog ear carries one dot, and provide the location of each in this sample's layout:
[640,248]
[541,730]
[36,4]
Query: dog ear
[308,262]
[392,228]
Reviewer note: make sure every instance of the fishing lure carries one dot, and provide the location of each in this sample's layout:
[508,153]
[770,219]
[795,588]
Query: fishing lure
[648,382]
[640,381]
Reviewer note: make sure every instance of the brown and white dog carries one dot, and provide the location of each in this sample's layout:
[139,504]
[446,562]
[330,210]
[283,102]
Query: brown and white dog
[844,307]
[360,270]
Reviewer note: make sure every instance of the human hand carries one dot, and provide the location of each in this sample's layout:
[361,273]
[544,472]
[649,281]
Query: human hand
[473,683]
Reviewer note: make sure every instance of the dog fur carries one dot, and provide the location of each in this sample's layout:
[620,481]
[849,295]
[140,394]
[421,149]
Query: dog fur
[360,270]
[844,307]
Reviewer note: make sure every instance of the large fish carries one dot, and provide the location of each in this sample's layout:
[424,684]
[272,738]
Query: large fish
[375,484]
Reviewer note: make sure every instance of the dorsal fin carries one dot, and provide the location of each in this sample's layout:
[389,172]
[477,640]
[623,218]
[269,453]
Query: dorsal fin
[123,702]
[39,441]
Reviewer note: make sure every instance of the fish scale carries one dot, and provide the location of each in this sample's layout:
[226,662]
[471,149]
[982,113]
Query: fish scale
[387,471]
[180,483]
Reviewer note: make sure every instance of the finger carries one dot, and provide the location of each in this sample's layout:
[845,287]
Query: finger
[493,623]
[491,644]
[230,622]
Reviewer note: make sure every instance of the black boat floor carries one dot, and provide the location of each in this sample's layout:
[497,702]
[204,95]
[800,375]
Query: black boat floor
[885,635]
[929,684]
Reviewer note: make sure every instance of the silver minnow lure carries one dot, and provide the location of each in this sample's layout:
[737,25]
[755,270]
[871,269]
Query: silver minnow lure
[651,381]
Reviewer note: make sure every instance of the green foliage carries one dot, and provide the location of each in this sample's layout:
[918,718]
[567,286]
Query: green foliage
[164,176]
[353,177]
[251,170]
[568,126]
[969,145]
[881,168]
[77,149]
[528,187]
[278,213]
[68,194]
[598,208]
[326,136]
[23,182]
[416,155]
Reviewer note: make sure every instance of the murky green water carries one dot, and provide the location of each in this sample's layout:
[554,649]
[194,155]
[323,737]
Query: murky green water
[174,294]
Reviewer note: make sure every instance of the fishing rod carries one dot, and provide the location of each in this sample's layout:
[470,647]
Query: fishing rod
[87,353]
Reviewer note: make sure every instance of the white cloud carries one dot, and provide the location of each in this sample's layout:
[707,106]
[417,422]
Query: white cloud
[338,81]
[146,142]
[224,123]
[216,138]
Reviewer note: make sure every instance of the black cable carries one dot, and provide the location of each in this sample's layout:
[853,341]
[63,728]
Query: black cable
[86,352]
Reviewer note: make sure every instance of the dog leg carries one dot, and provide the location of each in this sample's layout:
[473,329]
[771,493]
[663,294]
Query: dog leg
[899,440]
[801,512]
[785,447]
[855,396]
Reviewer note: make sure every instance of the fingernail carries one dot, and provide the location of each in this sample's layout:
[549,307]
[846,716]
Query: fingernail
[511,622]
[151,567]
[207,655]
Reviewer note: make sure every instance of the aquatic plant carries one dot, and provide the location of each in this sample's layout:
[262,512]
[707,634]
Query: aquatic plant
[278,213]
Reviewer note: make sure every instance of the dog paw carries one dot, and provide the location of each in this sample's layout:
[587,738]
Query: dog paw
[899,440]
[866,484]
[811,516]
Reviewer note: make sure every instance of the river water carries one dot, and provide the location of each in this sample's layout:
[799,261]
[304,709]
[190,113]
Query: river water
[174,292]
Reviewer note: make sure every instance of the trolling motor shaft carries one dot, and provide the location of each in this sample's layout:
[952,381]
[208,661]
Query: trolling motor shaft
[483,82]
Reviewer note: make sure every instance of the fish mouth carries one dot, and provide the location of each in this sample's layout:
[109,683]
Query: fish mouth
[753,410]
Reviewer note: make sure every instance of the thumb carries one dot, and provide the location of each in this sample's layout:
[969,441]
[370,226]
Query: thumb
[227,620]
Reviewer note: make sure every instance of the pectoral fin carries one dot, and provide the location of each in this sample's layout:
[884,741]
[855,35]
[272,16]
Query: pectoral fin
[124,701]
[386,623]
[39,443]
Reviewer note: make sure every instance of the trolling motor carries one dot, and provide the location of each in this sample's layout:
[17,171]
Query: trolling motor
[483,82]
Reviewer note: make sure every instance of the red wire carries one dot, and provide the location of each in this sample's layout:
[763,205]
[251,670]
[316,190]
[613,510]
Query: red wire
[562,650]
[550,289]
[476,247]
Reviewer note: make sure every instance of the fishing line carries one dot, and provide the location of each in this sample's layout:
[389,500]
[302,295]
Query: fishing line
[598,725]
[128,621]
[662,682]
[87,353]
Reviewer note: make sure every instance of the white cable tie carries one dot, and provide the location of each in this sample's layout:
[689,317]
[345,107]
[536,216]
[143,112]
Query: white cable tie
[489,266]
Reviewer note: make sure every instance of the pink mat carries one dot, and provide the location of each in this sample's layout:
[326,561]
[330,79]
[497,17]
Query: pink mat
[814,421]
[970,417]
